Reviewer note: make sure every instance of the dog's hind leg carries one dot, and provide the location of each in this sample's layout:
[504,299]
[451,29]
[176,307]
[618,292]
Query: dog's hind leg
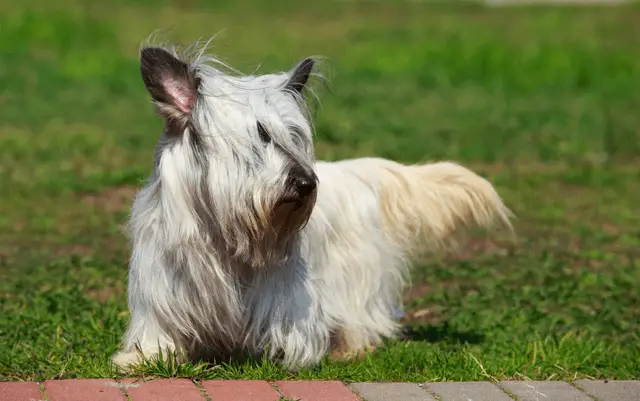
[347,344]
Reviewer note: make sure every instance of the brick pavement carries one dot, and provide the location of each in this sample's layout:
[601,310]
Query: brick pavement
[258,390]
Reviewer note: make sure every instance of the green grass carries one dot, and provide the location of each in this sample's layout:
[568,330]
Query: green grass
[543,101]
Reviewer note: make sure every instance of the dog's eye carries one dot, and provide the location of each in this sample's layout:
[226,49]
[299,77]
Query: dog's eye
[264,135]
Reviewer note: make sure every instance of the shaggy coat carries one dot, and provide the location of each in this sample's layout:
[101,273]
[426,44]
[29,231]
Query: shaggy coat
[243,242]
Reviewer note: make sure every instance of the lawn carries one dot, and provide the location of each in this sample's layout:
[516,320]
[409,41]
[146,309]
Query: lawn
[545,102]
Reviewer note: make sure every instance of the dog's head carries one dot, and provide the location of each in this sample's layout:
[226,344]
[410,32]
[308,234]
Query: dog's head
[235,163]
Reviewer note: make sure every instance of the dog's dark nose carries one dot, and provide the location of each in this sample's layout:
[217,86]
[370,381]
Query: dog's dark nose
[305,186]
[304,182]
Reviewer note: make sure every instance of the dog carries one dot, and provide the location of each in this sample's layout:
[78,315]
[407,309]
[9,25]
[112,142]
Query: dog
[243,243]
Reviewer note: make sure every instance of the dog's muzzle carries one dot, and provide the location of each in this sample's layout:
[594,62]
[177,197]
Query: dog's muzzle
[293,210]
[301,182]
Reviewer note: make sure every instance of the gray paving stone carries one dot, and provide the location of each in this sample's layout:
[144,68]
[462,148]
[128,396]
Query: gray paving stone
[544,391]
[618,390]
[468,391]
[391,392]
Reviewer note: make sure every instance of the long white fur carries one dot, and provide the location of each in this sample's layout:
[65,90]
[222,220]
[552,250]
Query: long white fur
[207,273]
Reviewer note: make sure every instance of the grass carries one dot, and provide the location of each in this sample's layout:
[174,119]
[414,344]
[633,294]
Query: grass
[542,101]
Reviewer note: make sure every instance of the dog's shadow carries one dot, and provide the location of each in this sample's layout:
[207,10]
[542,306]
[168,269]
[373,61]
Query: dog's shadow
[443,333]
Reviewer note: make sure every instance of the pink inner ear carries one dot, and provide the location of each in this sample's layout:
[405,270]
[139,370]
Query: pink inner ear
[182,97]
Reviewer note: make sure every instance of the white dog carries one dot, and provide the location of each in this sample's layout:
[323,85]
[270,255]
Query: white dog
[243,242]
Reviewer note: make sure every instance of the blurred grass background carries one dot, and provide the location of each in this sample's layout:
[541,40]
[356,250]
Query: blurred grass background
[542,100]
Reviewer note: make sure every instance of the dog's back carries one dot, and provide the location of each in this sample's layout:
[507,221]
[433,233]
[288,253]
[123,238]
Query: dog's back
[424,207]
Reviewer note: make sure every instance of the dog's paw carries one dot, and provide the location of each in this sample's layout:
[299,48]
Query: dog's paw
[346,347]
[125,361]
[351,355]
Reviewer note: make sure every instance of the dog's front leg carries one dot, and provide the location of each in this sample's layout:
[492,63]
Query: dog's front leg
[144,339]
[287,319]
[149,304]
[307,340]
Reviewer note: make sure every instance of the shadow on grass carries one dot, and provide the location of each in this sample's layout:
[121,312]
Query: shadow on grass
[442,333]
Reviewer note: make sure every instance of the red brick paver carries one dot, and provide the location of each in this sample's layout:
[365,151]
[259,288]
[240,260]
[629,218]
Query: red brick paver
[163,390]
[19,391]
[316,391]
[83,390]
[240,390]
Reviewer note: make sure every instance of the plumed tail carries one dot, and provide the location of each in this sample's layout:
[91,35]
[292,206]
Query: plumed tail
[431,207]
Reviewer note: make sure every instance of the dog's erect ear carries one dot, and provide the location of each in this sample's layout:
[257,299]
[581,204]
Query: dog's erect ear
[170,81]
[299,76]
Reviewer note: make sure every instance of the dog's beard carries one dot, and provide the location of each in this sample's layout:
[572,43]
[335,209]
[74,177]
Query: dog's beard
[288,217]
[264,235]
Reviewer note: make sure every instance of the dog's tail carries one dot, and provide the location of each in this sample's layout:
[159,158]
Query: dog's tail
[430,207]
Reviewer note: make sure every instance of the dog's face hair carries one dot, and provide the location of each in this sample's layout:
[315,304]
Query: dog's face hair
[235,164]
